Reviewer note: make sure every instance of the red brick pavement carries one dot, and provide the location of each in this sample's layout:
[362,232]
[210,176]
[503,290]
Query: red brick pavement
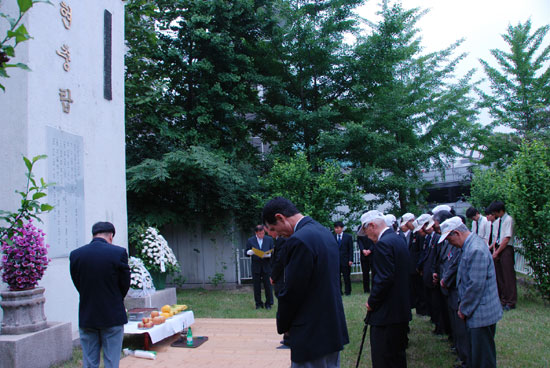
[232,343]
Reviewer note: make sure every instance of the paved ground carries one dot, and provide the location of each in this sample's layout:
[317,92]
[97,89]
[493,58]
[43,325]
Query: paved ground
[232,343]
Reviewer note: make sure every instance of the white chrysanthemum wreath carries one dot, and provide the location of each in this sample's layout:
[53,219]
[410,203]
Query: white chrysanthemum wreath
[157,256]
[140,278]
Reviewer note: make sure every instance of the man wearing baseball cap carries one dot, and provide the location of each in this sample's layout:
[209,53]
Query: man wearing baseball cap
[388,304]
[479,304]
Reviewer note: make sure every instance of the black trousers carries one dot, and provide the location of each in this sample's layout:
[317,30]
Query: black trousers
[482,344]
[365,266]
[460,336]
[258,279]
[419,294]
[439,312]
[345,270]
[428,293]
[388,344]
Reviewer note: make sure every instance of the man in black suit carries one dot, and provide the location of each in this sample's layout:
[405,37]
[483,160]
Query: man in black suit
[310,305]
[101,274]
[345,249]
[365,247]
[261,267]
[278,263]
[388,304]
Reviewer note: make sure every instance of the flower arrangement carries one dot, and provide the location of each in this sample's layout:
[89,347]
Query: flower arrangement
[24,257]
[157,256]
[140,278]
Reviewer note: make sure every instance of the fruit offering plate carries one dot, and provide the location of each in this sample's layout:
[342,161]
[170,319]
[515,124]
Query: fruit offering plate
[170,327]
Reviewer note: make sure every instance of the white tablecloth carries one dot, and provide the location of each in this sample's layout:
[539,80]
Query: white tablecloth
[172,326]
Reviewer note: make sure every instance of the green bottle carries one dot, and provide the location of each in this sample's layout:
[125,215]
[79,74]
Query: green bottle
[189,337]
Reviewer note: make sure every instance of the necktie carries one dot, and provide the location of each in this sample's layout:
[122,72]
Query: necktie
[339,239]
[498,232]
[477,227]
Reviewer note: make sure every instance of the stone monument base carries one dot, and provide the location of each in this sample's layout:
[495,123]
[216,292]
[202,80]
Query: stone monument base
[39,349]
[157,300]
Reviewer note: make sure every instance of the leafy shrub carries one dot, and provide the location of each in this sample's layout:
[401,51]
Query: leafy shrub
[529,204]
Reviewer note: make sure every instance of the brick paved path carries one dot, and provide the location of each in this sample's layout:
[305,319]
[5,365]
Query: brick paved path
[232,343]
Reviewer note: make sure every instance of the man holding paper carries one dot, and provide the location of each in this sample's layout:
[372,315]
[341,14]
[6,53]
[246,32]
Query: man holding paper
[260,247]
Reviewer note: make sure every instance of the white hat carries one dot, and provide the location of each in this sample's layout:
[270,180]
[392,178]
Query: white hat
[441,207]
[369,217]
[390,219]
[421,221]
[449,225]
[406,218]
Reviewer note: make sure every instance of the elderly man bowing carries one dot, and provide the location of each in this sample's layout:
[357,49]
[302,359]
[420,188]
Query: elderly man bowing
[388,304]
[479,304]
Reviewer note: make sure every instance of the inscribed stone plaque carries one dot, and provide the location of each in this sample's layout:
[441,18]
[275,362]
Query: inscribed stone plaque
[66,170]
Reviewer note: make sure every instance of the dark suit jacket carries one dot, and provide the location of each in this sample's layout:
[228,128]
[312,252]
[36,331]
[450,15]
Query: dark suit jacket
[429,260]
[310,305]
[260,265]
[450,269]
[101,275]
[364,243]
[389,296]
[278,261]
[346,249]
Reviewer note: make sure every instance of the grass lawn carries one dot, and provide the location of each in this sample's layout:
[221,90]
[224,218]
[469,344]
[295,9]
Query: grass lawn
[522,336]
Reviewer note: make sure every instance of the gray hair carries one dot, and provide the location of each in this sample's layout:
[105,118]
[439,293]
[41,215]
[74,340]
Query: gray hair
[379,222]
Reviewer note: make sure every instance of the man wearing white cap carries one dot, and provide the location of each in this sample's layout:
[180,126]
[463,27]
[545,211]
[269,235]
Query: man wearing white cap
[479,304]
[388,304]
[406,226]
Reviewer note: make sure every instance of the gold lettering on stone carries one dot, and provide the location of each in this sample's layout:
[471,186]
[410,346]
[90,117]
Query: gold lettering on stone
[66,100]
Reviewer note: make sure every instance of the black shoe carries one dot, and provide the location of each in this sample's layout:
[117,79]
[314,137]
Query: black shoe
[506,308]
[259,306]
[268,307]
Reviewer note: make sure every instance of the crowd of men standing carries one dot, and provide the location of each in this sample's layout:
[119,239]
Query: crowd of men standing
[461,279]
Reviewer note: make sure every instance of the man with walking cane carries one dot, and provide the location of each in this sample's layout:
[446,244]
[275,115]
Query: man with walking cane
[388,306]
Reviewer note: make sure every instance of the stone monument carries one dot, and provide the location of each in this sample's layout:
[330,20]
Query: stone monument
[71,108]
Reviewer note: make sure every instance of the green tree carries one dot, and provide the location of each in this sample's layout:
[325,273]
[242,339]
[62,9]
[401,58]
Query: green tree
[191,75]
[191,91]
[520,93]
[321,194]
[529,204]
[304,80]
[191,186]
[406,116]
[15,34]
[488,185]
[520,90]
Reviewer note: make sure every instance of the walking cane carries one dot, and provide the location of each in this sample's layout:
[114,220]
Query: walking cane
[363,339]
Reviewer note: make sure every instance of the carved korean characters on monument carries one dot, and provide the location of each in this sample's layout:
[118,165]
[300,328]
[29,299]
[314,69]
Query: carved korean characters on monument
[65,93]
